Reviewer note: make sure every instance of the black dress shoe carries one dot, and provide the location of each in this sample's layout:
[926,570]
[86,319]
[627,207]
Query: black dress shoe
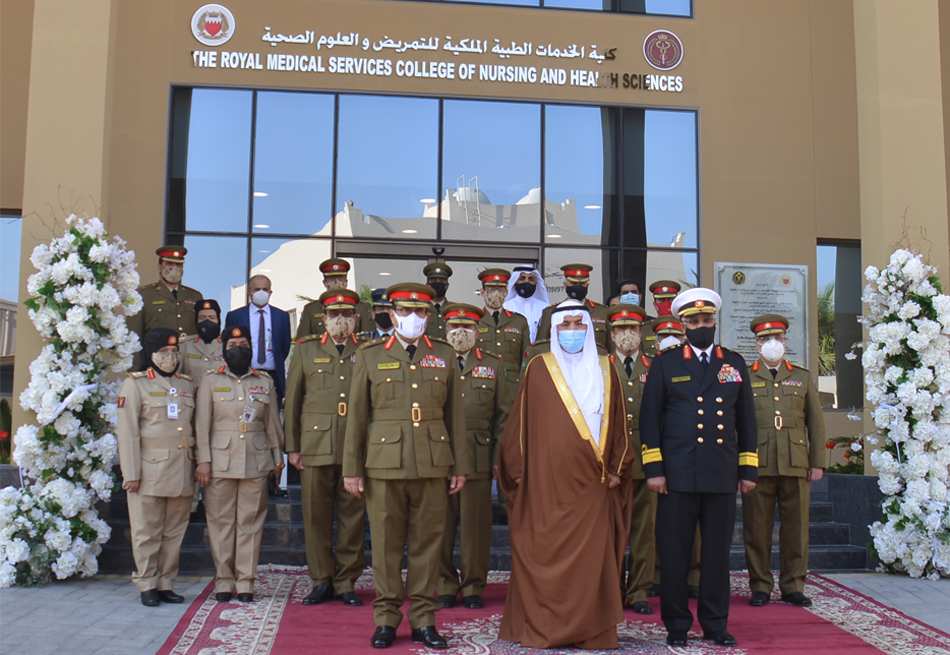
[223,596]
[677,638]
[383,637]
[653,591]
[150,598]
[759,599]
[447,601]
[693,591]
[169,596]
[319,594]
[642,607]
[246,598]
[721,637]
[350,598]
[473,602]
[797,598]
[429,636]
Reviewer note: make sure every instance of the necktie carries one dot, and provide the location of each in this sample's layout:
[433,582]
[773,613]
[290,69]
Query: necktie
[438,308]
[261,338]
[340,347]
[461,363]
[495,316]
[411,349]
[774,372]
[175,294]
[628,365]
[704,359]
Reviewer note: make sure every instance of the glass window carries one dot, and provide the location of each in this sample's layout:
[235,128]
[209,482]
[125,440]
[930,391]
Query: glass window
[523,3]
[217,140]
[603,278]
[663,7]
[580,177]
[840,380]
[370,273]
[387,168]
[491,171]
[217,267]
[293,163]
[291,265]
[10,228]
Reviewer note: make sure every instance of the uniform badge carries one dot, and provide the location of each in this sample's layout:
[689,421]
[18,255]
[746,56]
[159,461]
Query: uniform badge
[387,366]
[682,378]
[222,388]
[643,378]
[321,360]
[194,356]
[482,330]
[260,391]
[431,361]
[157,393]
[158,302]
[188,302]
[121,402]
[758,385]
[187,394]
[485,372]
[513,330]
[728,374]
[791,383]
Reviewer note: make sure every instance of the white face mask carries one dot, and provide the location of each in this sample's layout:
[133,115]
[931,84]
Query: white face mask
[668,342]
[260,297]
[773,350]
[410,327]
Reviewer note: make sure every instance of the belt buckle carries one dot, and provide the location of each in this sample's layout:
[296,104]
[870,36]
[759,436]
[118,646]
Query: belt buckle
[341,409]
[242,426]
[416,414]
[778,423]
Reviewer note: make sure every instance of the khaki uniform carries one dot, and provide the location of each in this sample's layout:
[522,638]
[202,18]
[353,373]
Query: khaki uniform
[198,357]
[315,411]
[311,319]
[435,327]
[486,410]
[406,434]
[160,308]
[642,547]
[598,316]
[510,338]
[242,455]
[158,451]
[791,440]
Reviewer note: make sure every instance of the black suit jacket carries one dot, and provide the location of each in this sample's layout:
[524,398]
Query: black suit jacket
[699,429]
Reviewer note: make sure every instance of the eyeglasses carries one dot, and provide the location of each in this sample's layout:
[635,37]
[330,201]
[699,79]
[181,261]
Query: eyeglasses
[345,313]
[700,320]
[405,311]
[765,338]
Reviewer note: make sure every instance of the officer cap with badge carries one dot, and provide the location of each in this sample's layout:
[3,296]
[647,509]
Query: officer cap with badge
[411,294]
[494,277]
[623,315]
[174,254]
[769,324]
[577,272]
[667,325]
[380,299]
[211,304]
[460,313]
[334,267]
[437,270]
[663,289]
[697,300]
[339,299]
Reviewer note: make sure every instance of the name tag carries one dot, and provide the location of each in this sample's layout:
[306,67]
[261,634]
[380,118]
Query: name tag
[683,378]
[758,385]
[482,330]
[173,410]
[321,360]
[248,414]
[158,302]
[222,388]
[194,356]
[387,366]
[157,393]
[650,338]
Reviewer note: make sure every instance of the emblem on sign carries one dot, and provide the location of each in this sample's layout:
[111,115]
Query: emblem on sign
[212,24]
[663,50]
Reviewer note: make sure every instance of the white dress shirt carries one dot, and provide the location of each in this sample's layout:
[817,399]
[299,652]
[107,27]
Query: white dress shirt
[255,320]
[699,352]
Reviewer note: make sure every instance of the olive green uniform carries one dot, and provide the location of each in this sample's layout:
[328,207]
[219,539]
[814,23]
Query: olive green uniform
[791,440]
[648,338]
[486,410]
[598,316]
[406,434]
[435,327]
[640,563]
[159,452]
[509,338]
[198,357]
[315,411]
[160,308]
[311,319]
[242,454]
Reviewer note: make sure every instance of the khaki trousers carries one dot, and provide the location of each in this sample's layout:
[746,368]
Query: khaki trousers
[758,520]
[158,525]
[640,563]
[236,509]
[322,488]
[401,511]
[471,507]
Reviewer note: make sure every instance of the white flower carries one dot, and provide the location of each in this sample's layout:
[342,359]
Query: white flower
[856,446]
[17,551]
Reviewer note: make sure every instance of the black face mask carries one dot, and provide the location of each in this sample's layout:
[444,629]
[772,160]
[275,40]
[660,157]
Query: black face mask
[525,289]
[440,288]
[576,291]
[383,320]
[208,330]
[238,359]
[701,337]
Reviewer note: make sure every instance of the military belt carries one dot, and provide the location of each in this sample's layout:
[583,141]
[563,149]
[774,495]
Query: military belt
[414,414]
[477,424]
[167,442]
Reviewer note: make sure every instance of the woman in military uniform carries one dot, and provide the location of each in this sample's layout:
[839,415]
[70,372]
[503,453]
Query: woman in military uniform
[240,439]
[156,452]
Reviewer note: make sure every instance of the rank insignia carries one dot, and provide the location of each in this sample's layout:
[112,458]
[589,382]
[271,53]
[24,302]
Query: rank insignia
[643,377]
[791,383]
[431,361]
[728,374]
[513,330]
[188,302]
[261,391]
[187,394]
[486,372]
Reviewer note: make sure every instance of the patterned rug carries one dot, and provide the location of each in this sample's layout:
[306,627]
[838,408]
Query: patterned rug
[841,622]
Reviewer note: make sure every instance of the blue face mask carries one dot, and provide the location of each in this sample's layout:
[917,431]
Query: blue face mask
[630,299]
[572,341]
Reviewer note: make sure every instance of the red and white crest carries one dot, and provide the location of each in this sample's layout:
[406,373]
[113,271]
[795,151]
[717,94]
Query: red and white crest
[212,24]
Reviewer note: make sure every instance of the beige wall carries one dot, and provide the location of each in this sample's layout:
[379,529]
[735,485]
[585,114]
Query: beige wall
[16,35]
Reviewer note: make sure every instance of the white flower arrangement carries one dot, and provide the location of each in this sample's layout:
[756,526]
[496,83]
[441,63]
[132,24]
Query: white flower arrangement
[83,291]
[907,371]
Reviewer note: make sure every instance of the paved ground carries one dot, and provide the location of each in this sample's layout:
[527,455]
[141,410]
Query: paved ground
[103,616]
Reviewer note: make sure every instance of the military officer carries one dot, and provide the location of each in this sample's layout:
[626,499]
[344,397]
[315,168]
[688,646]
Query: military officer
[203,353]
[167,303]
[240,441]
[156,452]
[791,454]
[405,436]
[501,330]
[335,276]
[663,293]
[698,433]
[633,366]
[486,408]
[382,324]
[437,278]
[315,413]
[576,284]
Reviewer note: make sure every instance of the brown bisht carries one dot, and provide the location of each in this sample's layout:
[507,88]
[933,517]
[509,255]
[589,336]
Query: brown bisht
[568,529]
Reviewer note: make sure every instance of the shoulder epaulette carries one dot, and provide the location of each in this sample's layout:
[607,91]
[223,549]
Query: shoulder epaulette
[491,354]
[374,342]
[800,367]
[540,341]
[148,286]
[309,337]
[186,377]
[190,289]
[262,374]
[137,374]
[438,340]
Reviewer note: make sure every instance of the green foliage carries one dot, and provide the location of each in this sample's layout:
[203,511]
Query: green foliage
[826,330]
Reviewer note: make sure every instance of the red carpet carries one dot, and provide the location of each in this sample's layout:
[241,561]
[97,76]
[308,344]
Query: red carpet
[841,622]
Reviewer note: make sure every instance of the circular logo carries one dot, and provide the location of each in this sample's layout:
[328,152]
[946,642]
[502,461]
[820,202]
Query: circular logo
[663,50]
[786,280]
[212,24]
[738,277]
